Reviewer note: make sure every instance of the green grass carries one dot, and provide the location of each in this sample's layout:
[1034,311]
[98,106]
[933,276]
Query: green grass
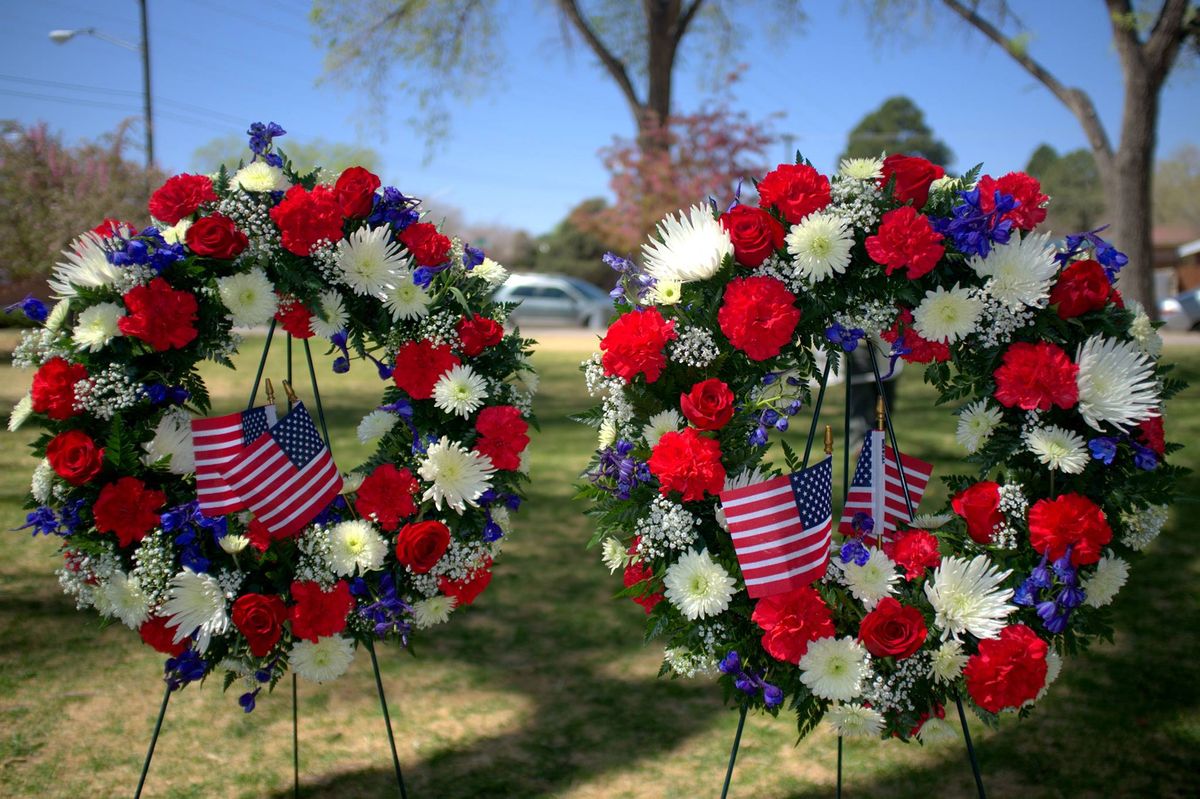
[544,688]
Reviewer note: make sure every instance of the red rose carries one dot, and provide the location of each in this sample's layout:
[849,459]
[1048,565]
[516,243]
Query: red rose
[709,405]
[1036,376]
[1081,287]
[160,316]
[638,573]
[419,364]
[53,391]
[1150,433]
[1007,671]
[1021,187]
[260,619]
[914,551]
[794,190]
[160,637]
[421,545]
[755,234]
[386,496]
[689,463]
[1070,520]
[355,190]
[216,236]
[317,613]
[758,315]
[634,345]
[305,218]
[918,348]
[478,333]
[791,621]
[128,509]
[913,176]
[467,590]
[892,630]
[503,436]
[428,247]
[180,196]
[111,228]
[74,457]
[980,506]
[295,318]
[906,239]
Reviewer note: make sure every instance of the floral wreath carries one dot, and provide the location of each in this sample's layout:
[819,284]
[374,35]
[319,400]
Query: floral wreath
[1060,397]
[415,529]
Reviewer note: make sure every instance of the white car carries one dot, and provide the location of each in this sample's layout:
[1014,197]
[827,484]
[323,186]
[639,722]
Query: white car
[547,299]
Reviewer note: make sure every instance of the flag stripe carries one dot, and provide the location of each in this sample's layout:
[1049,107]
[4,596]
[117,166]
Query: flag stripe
[878,491]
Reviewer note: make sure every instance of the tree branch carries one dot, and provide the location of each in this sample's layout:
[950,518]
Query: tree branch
[1125,35]
[1167,36]
[685,19]
[615,66]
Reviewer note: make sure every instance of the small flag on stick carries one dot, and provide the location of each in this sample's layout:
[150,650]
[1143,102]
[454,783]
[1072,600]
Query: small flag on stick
[217,441]
[876,489]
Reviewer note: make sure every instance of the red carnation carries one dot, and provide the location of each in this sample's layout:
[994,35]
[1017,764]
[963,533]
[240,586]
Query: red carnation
[918,349]
[980,506]
[386,496]
[355,190]
[709,405]
[419,364]
[1081,287]
[160,316]
[914,551]
[259,535]
[1021,187]
[906,239]
[478,333]
[758,315]
[1150,433]
[914,176]
[421,545]
[791,621]
[110,228]
[216,236]
[892,630]
[634,345]
[53,391]
[260,618]
[156,634]
[503,436]
[128,509]
[180,196]
[794,190]
[74,457]
[428,247]
[466,591]
[1036,376]
[689,463]
[755,234]
[305,218]
[294,317]
[1007,671]
[637,572]
[1070,520]
[318,613]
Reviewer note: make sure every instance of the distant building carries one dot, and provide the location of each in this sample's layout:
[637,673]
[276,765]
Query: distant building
[1176,259]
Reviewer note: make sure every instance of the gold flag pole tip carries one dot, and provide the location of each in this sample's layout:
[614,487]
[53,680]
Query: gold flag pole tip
[828,440]
[270,389]
[879,413]
[291,395]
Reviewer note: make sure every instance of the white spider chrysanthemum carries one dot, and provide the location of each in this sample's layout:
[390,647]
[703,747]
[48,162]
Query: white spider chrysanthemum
[461,390]
[325,660]
[947,662]
[1021,271]
[42,482]
[260,176]
[1142,330]
[406,300]
[689,247]
[1054,664]
[855,721]
[375,425]
[432,611]
[126,600]
[666,292]
[492,272]
[606,435]
[196,605]
[249,297]
[698,586]
[861,168]
[58,315]
[834,668]
[947,316]
[1116,383]
[820,246]
[1058,448]
[20,413]
[967,597]
[457,475]
[936,730]
[97,326]
[332,317]
[370,262]
[176,233]
[668,421]
[355,545]
[614,554]
[930,521]
[86,266]
[1110,576]
[976,424]
[172,441]
[871,581]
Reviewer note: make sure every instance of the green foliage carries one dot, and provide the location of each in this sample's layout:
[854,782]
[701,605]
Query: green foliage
[897,126]
[574,247]
[1177,188]
[1074,182]
[305,155]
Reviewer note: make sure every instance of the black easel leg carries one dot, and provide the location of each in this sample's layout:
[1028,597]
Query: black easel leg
[295,739]
[387,719]
[839,770]
[733,752]
[962,716]
[162,712]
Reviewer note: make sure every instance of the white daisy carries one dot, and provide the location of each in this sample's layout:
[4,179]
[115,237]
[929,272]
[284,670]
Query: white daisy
[97,326]
[490,271]
[370,261]
[232,543]
[323,661]
[820,246]
[967,597]
[854,720]
[666,292]
[260,176]
[406,300]
[460,390]
[976,423]
[689,247]
[176,233]
[1116,383]
[947,662]
[20,413]
[126,600]
[457,475]
[1110,576]
[331,317]
[614,554]
[172,441]
[58,315]
[834,668]
[1143,331]
[871,581]
[86,266]
[930,521]
[1021,271]
[861,168]
[196,605]
[355,545]
[668,421]
[947,316]
[249,297]
[431,611]
[698,586]
[1058,448]
[375,425]
[935,730]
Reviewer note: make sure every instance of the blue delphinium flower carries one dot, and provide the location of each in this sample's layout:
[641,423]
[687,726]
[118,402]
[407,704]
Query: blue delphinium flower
[973,230]
[1112,259]
[846,338]
[42,520]
[186,523]
[854,552]
[1104,449]
[862,523]
[1144,458]
[260,141]
[186,668]
[246,700]
[69,517]
[472,257]
[731,663]
[34,309]
[748,681]
[388,613]
[620,469]
[617,263]
[393,208]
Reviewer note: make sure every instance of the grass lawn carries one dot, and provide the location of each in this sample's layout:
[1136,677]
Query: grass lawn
[544,689]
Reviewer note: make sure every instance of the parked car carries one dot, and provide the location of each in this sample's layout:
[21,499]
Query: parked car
[1181,312]
[547,299]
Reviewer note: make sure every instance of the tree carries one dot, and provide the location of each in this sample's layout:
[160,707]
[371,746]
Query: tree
[1177,188]
[1073,184]
[305,154]
[897,126]
[574,246]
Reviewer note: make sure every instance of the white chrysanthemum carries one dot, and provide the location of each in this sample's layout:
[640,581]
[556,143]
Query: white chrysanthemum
[525,377]
[126,600]
[930,521]
[1142,330]
[323,661]
[232,543]
[332,318]
[976,424]
[406,300]
[689,247]
[945,182]
[375,425]
[86,266]
[1116,383]
[614,554]
[97,326]
[431,611]
[854,720]
[820,246]
[492,272]
[173,441]
[42,481]
[935,730]
[352,481]
[861,168]
[260,176]
[355,544]
[1021,271]
[176,233]
[249,297]
[834,668]
[370,261]
[606,435]
[196,605]
[698,586]
[1054,664]
[1109,577]
[947,316]
[947,662]
[967,597]
[58,315]
[871,581]
[20,413]
[461,390]
[666,292]
[1058,448]
[668,421]
[457,475]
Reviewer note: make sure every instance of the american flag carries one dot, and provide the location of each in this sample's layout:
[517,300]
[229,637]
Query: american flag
[217,441]
[781,529]
[883,499]
[287,476]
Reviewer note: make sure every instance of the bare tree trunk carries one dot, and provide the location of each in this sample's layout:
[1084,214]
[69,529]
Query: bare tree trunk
[662,19]
[1131,197]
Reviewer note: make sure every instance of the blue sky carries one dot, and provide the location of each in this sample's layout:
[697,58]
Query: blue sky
[527,152]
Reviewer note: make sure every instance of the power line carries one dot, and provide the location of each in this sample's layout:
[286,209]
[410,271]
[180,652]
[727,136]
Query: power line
[132,110]
[266,23]
[54,84]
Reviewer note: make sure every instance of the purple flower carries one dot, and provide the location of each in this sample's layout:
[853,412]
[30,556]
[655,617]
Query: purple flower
[42,520]
[393,208]
[1112,259]
[188,667]
[974,230]
[33,308]
[772,694]
[246,700]
[618,471]
[1144,458]
[846,338]
[1104,449]
[854,551]
[862,523]
[731,663]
